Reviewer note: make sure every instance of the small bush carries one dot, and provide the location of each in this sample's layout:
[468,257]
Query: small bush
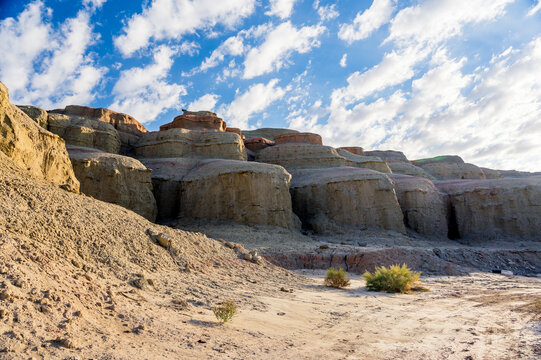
[336,278]
[225,311]
[394,279]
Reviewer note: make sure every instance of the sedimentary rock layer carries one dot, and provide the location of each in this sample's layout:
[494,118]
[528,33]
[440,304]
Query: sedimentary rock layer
[267,133]
[191,143]
[115,179]
[369,162]
[450,167]
[196,122]
[35,113]
[423,205]
[33,148]
[510,207]
[327,199]
[303,138]
[301,156]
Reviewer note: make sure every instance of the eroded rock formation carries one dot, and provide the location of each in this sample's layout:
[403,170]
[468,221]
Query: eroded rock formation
[33,148]
[35,113]
[369,162]
[267,133]
[423,205]
[399,163]
[450,167]
[357,150]
[302,138]
[509,207]
[327,200]
[115,179]
[201,120]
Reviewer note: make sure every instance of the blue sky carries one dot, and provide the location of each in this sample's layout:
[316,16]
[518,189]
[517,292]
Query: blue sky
[427,77]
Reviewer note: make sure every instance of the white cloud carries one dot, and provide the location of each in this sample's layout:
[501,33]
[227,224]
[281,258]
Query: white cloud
[189,47]
[206,102]
[281,8]
[327,12]
[66,74]
[94,3]
[171,19]
[280,43]
[368,21]
[254,100]
[232,46]
[144,92]
[344,60]
[535,9]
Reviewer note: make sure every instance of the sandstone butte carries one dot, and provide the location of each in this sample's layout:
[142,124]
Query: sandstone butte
[196,168]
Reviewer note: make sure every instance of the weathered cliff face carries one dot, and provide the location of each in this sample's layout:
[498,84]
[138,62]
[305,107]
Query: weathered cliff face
[388,155]
[368,162]
[491,173]
[357,150]
[423,205]
[329,199]
[247,193]
[128,128]
[196,122]
[267,133]
[35,113]
[399,164]
[509,207]
[115,179]
[33,148]
[216,189]
[257,144]
[84,132]
[450,167]
[301,156]
[303,138]
[175,143]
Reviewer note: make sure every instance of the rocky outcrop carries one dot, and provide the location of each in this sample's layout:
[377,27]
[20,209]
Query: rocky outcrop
[399,163]
[423,205]
[327,200]
[114,179]
[35,113]
[517,174]
[235,130]
[175,143]
[33,148]
[491,173]
[450,167]
[357,150]
[368,162]
[508,207]
[79,131]
[267,133]
[301,156]
[202,121]
[257,144]
[229,190]
[304,138]
[247,193]
[128,128]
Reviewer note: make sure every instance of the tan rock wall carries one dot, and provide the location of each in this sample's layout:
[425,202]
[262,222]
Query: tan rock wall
[301,156]
[33,148]
[35,113]
[368,162]
[115,179]
[267,133]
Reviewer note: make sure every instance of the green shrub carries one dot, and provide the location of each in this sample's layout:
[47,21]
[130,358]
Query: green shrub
[225,311]
[336,278]
[394,279]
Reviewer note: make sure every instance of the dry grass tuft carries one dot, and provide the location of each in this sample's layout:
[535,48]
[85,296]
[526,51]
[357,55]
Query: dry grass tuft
[225,311]
[336,278]
[394,279]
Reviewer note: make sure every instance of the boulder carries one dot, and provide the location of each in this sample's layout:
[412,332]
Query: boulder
[423,205]
[301,156]
[35,113]
[508,207]
[244,192]
[115,179]
[449,167]
[128,128]
[369,162]
[327,200]
[202,121]
[79,131]
[357,150]
[304,138]
[175,143]
[33,148]
[267,133]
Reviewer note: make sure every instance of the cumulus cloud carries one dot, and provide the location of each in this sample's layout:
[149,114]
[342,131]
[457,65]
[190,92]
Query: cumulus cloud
[144,92]
[66,73]
[281,8]
[280,43]
[253,101]
[367,22]
[232,46]
[344,60]
[171,19]
[94,3]
[206,102]
[535,9]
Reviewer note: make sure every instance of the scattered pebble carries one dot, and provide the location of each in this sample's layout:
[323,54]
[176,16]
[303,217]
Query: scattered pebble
[324,247]
[164,241]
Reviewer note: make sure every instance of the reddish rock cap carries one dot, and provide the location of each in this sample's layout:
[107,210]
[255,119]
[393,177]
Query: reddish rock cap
[202,121]
[303,138]
[258,143]
[357,150]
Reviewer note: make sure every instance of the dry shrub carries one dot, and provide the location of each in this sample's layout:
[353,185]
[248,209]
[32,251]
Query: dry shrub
[225,311]
[393,279]
[336,278]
